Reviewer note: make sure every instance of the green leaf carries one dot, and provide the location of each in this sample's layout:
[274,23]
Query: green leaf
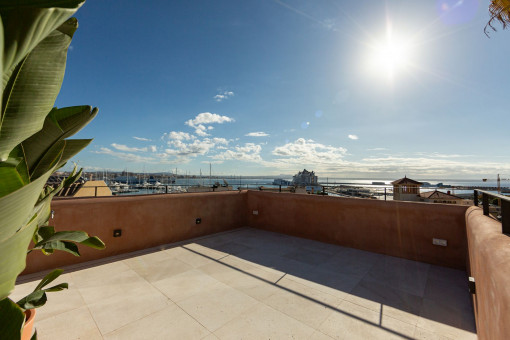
[57,288]
[58,125]
[50,159]
[30,92]
[60,240]
[50,277]
[49,247]
[35,299]
[26,28]
[45,232]
[94,242]
[72,147]
[11,180]
[38,297]
[12,319]
[18,223]
[13,257]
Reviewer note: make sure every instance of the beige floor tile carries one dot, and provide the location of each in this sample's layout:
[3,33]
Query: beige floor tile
[189,257]
[402,274]
[217,305]
[169,323]
[185,285]
[309,256]
[350,261]
[154,270]
[97,273]
[112,287]
[303,309]
[253,268]
[391,302]
[113,313]
[257,288]
[263,322]
[450,292]
[335,284]
[442,319]
[357,322]
[229,247]
[319,336]
[332,300]
[423,334]
[210,336]
[75,324]
[58,302]
[205,251]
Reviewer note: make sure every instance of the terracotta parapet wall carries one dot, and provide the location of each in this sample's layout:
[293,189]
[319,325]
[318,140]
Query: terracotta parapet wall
[402,229]
[489,264]
[146,221]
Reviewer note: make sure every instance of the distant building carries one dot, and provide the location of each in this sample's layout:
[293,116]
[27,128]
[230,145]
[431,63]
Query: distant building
[305,178]
[406,189]
[80,188]
[441,197]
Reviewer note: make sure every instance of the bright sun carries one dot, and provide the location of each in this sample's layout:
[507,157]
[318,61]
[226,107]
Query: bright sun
[389,57]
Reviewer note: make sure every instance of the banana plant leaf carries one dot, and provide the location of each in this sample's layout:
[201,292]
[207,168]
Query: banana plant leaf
[58,125]
[31,91]
[12,319]
[38,297]
[30,26]
[49,240]
[13,256]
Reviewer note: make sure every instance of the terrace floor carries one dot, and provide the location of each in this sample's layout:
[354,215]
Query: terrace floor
[253,284]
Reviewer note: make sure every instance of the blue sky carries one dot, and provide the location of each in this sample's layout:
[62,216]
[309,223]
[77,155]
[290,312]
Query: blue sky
[348,89]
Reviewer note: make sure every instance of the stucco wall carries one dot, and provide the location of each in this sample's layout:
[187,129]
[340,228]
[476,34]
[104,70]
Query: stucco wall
[489,264]
[146,221]
[402,229]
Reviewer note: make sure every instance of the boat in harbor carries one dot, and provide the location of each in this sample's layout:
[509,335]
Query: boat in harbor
[280,181]
[215,187]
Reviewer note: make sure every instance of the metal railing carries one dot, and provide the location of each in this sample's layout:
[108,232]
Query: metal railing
[502,201]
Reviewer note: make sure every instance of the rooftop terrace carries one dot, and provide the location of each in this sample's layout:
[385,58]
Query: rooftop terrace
[250,264]
[254,284]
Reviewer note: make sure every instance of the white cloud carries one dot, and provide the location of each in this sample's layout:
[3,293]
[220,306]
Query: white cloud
[257,134]
[206,118]
[123,147]
[142,139]
[201,131]
[153,148]
[197,147]
[353,137]
[306,153]
[377,149]
[223,95]
[178,135]
[125,156]
[250,152]
[218,140]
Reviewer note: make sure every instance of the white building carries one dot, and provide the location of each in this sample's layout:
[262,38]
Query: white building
[305,178]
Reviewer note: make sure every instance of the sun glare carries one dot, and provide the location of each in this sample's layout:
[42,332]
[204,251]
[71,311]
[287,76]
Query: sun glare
[389,57]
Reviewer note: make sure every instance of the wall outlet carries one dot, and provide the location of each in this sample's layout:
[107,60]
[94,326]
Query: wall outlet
[439,242]
[255,212]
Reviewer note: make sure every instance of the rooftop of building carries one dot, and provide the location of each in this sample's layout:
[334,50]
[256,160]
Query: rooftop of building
[254,284]
[439,195]
[405,180]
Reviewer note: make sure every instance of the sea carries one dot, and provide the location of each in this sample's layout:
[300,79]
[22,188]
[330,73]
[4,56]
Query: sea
[254,183]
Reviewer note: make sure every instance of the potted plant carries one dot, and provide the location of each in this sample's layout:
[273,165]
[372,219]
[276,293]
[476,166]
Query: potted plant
[34,38]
